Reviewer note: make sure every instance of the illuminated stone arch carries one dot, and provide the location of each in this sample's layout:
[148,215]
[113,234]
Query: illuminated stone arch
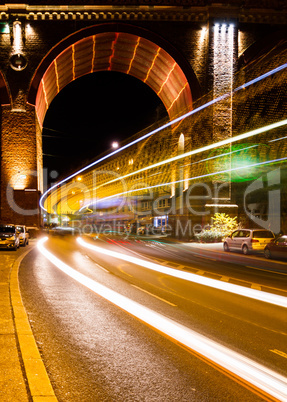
[122,48]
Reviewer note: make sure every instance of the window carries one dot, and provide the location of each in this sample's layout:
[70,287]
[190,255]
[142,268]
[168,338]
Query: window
[263,234]
[163,203]
[146,205]
[181,144]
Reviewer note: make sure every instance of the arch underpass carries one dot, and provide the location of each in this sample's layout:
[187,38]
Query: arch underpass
[119,51]
[119,48]
[145,179]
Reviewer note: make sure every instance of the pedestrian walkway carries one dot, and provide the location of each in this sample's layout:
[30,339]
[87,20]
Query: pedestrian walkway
[206,246]
[23,376]
[13,386]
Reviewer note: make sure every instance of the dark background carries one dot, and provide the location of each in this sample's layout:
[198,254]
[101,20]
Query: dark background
[90,113]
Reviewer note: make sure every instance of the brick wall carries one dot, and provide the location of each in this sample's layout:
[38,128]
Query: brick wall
[18,154]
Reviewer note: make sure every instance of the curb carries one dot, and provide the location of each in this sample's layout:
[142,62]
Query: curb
[37,378]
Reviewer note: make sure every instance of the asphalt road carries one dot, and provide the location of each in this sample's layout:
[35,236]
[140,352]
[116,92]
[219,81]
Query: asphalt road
[95,351]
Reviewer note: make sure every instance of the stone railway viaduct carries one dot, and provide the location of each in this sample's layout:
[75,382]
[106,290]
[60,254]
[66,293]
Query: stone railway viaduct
[188,52]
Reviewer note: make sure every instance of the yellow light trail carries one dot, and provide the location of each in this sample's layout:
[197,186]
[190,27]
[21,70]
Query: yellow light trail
[113,50]
[91,202]
[45,94]
[94,53]
[57,75]
[152,64]
[261,379]
[167,78]
[134,55]
[227,141]
[73,61]
[220,155]
[175,99]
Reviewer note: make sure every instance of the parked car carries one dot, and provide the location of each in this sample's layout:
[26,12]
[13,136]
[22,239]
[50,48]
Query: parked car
[9,237]
[277,248]
[247,240]
[23,235]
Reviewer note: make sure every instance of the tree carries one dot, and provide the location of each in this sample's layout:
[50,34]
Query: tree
[223,223]
[222,226]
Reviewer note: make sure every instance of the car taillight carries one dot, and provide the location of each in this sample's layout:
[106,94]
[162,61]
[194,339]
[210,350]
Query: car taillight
[254,241]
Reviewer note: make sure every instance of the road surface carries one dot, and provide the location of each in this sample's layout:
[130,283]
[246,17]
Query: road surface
[95,351]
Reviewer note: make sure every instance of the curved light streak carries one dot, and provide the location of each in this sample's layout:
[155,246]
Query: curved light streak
[274,71]
[268,74]
[278,139]
[263,379]
[187,276]
[227,141]
[222,155]
[188,179]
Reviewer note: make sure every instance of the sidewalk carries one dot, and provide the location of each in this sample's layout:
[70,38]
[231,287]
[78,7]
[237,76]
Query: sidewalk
[23,376]
[206,246]
[12,383]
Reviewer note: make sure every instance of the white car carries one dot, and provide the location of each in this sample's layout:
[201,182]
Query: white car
[247,240]
[23,235]
[9,236]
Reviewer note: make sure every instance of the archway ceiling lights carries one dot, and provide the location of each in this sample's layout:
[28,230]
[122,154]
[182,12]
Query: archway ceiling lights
[121,52]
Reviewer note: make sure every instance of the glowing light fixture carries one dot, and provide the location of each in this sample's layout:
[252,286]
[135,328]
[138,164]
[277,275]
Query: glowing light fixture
[17,36]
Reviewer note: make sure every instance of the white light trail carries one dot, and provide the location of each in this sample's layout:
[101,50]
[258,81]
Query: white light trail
[261,77]
[278,139]
[209,147]
[171,123]
[221,155]
[187,276]
[263,379]
[190,179]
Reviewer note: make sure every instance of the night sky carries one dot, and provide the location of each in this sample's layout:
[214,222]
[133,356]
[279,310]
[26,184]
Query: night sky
[90,113]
